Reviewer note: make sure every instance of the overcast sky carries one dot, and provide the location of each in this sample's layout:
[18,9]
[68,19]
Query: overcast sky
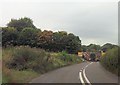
[94,21]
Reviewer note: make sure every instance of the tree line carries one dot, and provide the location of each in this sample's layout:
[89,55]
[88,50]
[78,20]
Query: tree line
[94,47]
[23,32]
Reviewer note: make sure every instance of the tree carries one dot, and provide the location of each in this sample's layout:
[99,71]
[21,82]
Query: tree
[58,40]
[9,36]
[21,23]
[68,42]
[93,47]
[84,48]
[28,36]
[44,39]
[72,43]
[107,46]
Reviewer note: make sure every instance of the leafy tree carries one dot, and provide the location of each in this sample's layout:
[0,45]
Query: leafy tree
[58,40]
[28,36]
[93,47]
[84,48]
[108,46]
[9,36]
[72,43]
[21,23]
[69,42]
[44,39]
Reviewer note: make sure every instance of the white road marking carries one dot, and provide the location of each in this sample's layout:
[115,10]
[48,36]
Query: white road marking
[84,75]
[81,78]
[86,66]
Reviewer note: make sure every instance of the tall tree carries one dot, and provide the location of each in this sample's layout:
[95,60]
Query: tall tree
[72,43]
[28,36]
[93,47]
[58,40]
[107,46]
[9,36]
[44,39]
[21,23]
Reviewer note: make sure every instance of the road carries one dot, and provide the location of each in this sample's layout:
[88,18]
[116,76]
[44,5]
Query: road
[87,72]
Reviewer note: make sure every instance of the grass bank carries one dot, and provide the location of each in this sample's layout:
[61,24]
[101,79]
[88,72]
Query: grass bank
[22,64]
[110,60]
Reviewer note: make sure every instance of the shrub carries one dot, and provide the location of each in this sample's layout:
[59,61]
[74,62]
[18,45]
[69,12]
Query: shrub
[69,58]
[64,56]
[27,58]
[110,60]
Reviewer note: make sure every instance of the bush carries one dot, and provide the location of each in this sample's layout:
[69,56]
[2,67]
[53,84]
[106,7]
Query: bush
[27,58]
[69,58]
[110,60]
[64,56]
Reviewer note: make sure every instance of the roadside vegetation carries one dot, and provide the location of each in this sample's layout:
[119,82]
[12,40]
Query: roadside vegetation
[23,63]
[110,60]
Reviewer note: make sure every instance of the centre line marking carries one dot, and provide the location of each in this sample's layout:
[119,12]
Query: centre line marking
[81,78]
[84,75]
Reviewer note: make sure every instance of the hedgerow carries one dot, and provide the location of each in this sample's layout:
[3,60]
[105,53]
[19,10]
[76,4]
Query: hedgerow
[110,60]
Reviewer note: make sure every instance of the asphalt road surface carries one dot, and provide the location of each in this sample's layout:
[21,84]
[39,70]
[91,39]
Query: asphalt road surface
[87,72]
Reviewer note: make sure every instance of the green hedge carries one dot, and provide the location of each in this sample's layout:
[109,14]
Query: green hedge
[110,60]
